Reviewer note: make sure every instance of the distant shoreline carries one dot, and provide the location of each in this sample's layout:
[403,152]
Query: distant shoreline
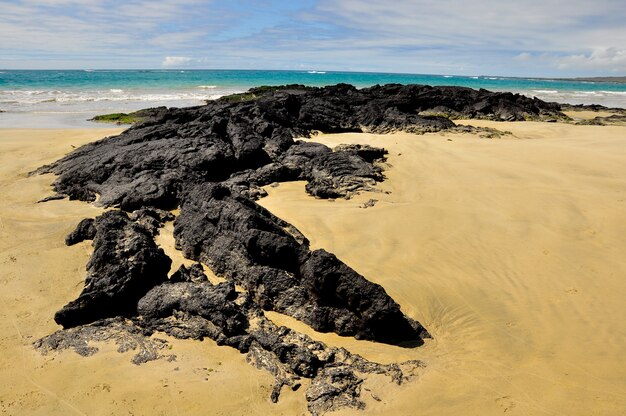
[616,80]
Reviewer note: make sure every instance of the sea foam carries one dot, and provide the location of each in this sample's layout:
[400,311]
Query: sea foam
[122,90]
[102,101]
[546,91]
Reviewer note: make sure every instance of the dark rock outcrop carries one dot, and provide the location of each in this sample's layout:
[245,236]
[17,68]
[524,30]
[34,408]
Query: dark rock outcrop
[194,273]
[591,107]
[201,309]
[239,239]
[251,141]
[85,230]
[121,331]
[612,120]
[212,161]
[125,265]
[151,218]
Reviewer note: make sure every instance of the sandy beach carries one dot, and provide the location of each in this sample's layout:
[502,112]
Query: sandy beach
[509,251]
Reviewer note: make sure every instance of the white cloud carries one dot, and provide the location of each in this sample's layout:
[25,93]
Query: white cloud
[599,61]
[609,59]
[483,34]
[526,37]
[176,61]
[105,27]
[524,56]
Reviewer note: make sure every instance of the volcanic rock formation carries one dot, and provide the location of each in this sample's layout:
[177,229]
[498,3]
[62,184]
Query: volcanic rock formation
[211,161]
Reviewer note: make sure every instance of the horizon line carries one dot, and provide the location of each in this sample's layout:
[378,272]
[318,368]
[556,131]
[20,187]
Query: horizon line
[595,77]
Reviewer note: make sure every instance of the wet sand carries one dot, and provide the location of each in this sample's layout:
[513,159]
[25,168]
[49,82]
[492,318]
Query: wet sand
[510,252]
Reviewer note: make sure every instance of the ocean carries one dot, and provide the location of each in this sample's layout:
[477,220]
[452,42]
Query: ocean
[67,98]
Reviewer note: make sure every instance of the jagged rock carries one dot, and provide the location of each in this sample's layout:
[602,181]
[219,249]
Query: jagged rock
[126,335]
[338,299]
[151,218]
[612,120]
[85,230]
[195,273]
[483,132]
[55,197]
[369,203]
[212,161]
[591,107]
[230,318]
[366,152]
[214,303]
[198,310]
[341,173]
[160,215]
[244,242]
[125,265]
[337,387]
[149,164]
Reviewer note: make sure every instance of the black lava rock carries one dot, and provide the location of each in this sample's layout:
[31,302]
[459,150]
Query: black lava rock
[243,241]
[124,266]
[150,163]
[211,161]
[85,230]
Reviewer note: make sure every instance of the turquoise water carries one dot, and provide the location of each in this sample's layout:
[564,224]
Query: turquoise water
[237,79]
[86,93]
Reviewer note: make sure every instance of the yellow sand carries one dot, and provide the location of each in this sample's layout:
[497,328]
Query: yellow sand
[578,115]
[509,250]
[39,274]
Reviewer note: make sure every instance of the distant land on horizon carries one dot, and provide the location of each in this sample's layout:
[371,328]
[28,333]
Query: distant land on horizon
[620,80]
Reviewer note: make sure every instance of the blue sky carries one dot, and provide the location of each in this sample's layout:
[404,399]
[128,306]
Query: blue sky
[498,37]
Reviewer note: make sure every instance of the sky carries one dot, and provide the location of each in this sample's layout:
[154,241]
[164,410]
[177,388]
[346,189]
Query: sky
[456,37]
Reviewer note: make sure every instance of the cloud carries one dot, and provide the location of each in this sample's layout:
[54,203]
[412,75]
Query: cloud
[100,27]
[176,61]
[600,60]
[526,37]
[610,59]
[524,56]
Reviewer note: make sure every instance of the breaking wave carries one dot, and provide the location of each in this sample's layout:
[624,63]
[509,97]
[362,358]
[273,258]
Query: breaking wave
[606,98]
[33,97]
